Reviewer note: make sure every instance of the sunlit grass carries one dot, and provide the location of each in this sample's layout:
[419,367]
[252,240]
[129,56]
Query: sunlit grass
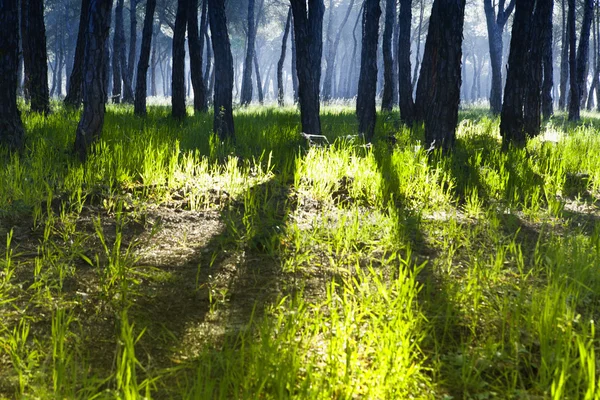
[346,271]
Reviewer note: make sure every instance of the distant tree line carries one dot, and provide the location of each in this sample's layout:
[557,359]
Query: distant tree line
[383,38]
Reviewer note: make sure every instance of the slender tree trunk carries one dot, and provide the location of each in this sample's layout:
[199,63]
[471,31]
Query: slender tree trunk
[34,55]
[153,62]
[12,133]
[418,55]
[280,86]
[548,67]
[132,39]
[209,54]
[438,88]
[331,55]
[583,50]
[178,77]
[407,106]
[196,47]
[261,96]
[495,28]
[94,89]
[246,96]
[564,59]
[308,29]
[142,72]
[350,85]
[117,92]
[294,65]
[395,63]
[223,104]
[574,88]
[387,100]
[74,91]
[367,82]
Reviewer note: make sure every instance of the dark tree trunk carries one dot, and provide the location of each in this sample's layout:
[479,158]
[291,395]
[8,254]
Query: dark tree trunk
[259,88]
[140,84]
[438,88]
[280,86]
[11,127]
[209,59]
[521,115]
[294,64]
[548,67]
[153,63]
[495,29]
[223,103]
[117,90]
[564,60]
[367,82]
[74,91]
[581,62]
[351,81]
[387,100]
[178,77]
[196,46]
[132,39]
[331,55]
[407,106]
[246,96]
[308,30]
[94,90]
[34,55]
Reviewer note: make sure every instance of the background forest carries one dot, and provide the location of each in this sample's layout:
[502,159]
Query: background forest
[308,199]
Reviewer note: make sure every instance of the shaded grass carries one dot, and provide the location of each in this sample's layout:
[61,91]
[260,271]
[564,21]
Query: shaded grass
[170,265]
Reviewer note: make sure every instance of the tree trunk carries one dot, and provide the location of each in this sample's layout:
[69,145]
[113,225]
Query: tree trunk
[11,127]
[564,60]
[331,55]
[223,123]
[142,71]
[308,30]
[521,115]
[438,88]
[367,82]
[350,83]
[583,54]
[495,28]
[418,55]
[94,90]
[178,77]
[132,39]
[74,92]
[209,59]
[261,96]
[246,96]
[294,63]
[387,100]
[117,92]
[34,55]
[407,106]
[280,86]
[196,47]
[548,67]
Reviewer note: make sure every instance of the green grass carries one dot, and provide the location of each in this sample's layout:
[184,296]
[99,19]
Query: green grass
[170,265]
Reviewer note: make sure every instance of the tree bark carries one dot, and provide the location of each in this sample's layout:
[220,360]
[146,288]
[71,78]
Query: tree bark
[438,88]
[495,28]
[117,89]
[223,70]
[407,106]
[280,86]
[582,60]
[196,47]
[259,88]
[143,64]
[521,115]
[74,91]
[308,30]
[294,63]
[548,64]
[387,100]
[564,60]
[12,134]
[367,82]
[418,55]
[132,39]
[94,90]
[178,77]
[246,96]
[34,55]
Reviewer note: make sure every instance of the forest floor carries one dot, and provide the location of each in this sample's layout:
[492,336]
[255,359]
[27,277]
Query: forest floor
[169,265]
